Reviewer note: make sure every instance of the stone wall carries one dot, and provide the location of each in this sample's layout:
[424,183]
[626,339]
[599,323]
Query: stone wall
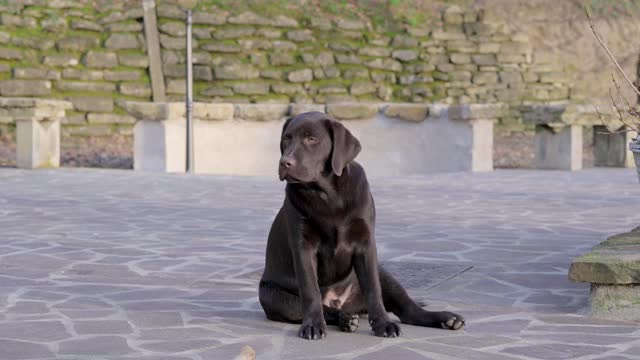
[95,57]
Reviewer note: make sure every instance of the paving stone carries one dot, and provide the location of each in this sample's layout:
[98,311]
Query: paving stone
[96,346]
[102,327]
[14,350]
[34,331]
[556,351]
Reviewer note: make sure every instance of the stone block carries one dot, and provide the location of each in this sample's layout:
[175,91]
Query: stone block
[261,112]
[94,59]
[135,89]
[215,18]
[385,64]
[483,78]
[134,60]
[615,302]
[284,21]
[54,24]
[233,33]
[81,86]
[559,147]
[362,88]
[248,18]
[374,51]
[87,75]
[92,103]
[173,28]
[123,75]
[300,35]
[36,73]
[236,72]
[222,48]
[10,54]
[102,118]
[217,91]
[405,55]
[351,111]
[459,58]
[324,58]
[80,24]
[613,269]
[409,112]
[176,86]
[404,41]
[25,87]
[251,88]
[484,59]
[346,24]
[280,58]
[122,41]
[348,59]
[283,45]
[77,43]
[213,112]
[302,75]
[297,109]
[288,89]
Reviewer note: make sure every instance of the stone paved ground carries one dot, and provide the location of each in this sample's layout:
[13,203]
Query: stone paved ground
[110,264]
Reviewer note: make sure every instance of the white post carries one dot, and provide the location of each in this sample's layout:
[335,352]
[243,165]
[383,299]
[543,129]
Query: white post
[189,99]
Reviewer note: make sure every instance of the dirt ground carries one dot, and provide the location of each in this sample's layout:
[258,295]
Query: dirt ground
[114,151]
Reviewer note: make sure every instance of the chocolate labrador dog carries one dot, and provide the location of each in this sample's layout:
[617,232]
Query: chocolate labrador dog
[321,266]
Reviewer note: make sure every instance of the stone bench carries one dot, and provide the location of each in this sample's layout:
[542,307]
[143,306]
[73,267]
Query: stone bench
[613,269]
[558,138]
[37,129]
[243,139]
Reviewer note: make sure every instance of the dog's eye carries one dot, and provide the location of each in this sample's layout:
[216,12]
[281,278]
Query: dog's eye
[310,140]
[285,139]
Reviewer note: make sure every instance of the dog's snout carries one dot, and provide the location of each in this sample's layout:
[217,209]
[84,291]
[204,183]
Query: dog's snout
[287,162]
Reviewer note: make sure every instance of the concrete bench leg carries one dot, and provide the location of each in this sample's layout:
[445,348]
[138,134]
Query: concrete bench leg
[612,149]
[160,146]
[482,151]
[559,148]
[38,143]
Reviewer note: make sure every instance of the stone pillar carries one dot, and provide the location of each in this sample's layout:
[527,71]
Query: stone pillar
[558,147]
[481,118]
[37,130]
[612,149]
[160,133]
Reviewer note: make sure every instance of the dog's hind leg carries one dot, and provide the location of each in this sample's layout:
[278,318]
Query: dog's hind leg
[281,305]
[397,301]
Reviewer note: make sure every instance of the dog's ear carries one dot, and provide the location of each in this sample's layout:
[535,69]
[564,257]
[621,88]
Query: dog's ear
[345,146]
[284,127]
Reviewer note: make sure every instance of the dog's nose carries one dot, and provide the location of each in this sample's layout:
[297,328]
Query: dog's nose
[287,162]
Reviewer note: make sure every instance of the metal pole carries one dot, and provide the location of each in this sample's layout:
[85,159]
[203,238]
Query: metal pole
[189,98]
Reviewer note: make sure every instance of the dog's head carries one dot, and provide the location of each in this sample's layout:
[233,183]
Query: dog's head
[313,145]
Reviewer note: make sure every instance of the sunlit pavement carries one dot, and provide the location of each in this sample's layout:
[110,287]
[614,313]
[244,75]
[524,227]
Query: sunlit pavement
[99,264]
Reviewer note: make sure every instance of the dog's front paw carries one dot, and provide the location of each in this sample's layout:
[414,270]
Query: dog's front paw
[451,321]
[385,328]
[313,329]
[348,322]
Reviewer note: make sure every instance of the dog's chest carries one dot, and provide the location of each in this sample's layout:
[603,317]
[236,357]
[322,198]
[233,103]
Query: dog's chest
[333,263]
